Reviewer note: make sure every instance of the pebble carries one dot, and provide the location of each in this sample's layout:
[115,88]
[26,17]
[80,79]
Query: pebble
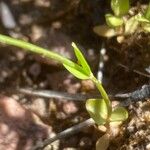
[85,142]
[35,69]
[5,12]
[70,108]
[148,146]
[70,148]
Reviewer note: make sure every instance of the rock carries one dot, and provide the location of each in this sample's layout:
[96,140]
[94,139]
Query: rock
[70,108]
[38,106]
[19,128]
[85,142]
[35,69]
[148,146]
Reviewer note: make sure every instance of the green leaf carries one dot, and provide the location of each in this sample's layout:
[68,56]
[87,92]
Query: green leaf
[131,25]
[113,21]
[147,13]
[81,59]
[120,7]
[119,114]
[141,18]
[105,31]
[97,109]
[79,73]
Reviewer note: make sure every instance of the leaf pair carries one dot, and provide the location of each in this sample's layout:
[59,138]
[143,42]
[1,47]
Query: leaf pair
[81,70]
[97,109]
[120,8]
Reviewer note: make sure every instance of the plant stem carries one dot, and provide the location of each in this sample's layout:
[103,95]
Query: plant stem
[36,49]
[103,93]
[49,54]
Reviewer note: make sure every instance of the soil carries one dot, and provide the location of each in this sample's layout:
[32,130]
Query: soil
[54,24]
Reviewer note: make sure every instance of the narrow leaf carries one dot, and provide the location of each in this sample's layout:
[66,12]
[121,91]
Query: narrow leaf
[97,109]
[120,7]
[119,114]
[81,59]
[76,72]
[113,21]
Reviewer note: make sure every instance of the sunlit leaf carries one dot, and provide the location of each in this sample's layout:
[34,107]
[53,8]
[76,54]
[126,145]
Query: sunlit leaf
[76,72]
[120,7]
[81,59]
[131,25]
[103,142]
[105,31]
[146,27]
[97,109]
[113,21]
[119,114]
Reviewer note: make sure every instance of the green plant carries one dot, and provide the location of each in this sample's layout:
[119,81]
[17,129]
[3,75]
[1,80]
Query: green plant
[121,23]
[99,109]
[144,19]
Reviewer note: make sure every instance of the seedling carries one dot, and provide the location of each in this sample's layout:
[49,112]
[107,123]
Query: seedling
[100,110]
[120,23]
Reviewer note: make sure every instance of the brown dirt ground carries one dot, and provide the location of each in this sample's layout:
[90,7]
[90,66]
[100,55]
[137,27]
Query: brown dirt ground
[54,24]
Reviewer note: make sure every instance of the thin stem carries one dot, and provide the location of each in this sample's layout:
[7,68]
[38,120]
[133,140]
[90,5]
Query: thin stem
[103,93]
[36,49]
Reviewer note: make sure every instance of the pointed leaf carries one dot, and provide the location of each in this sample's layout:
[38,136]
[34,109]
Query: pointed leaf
[81,59]
[77,73]
[119,114]
[113,21]
[105,31]
[97,109]
[120,7]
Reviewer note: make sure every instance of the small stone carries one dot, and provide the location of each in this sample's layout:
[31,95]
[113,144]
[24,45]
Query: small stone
[148,146]
[19,125]
[131,129]
[61,115]
[70,108]
[35,69]
[102,128]
[70,148]
[36,33]
[38,105]
[87,85]
[85,142]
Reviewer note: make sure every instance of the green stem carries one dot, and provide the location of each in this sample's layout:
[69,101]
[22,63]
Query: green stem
[36,49]
[103,93]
